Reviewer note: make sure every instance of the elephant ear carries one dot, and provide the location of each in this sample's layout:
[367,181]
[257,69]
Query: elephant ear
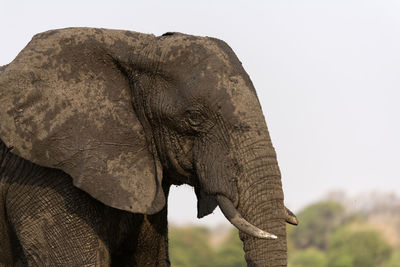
[66,105]
[206,204]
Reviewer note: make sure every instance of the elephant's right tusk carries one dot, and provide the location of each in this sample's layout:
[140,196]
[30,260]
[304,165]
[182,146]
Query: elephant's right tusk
[238,221]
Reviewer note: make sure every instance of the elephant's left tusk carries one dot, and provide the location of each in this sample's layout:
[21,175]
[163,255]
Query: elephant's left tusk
[238,221]
[290,217]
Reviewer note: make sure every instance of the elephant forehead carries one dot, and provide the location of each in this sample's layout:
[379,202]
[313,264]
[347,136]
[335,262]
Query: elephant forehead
[229,93]
[210,70]
[186,53]
[243,99]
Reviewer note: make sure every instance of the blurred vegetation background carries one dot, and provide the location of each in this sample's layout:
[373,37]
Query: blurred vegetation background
[335,232]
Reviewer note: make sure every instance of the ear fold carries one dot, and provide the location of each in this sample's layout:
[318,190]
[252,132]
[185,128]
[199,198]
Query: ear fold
[67,106]
[206,204]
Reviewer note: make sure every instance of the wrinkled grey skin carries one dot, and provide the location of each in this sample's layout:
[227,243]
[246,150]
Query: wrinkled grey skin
[127,114]
[46,221]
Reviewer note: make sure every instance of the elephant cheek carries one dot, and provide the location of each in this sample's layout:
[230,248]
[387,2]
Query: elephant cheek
[216,174]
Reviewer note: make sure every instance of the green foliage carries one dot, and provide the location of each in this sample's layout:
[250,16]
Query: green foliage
[326,236]
[230,253]
[308,257]
[394,261]
[358,248]
[317,223]
[189,247]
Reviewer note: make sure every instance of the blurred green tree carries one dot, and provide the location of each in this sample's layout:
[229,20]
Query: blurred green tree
[327,236]
[395,259]
[230,253]
[352,247]
[307,258]
[316,224]
[189,247]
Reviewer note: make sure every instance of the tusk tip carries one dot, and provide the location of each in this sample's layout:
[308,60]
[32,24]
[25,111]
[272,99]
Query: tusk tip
[265,235]
[269,236]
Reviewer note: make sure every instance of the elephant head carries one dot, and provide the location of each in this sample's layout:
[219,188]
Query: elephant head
[122,111]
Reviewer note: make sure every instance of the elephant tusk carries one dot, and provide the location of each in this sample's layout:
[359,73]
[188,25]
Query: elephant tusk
[290,217]
[238,221]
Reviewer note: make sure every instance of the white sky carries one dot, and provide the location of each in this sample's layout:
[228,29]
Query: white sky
[327,74]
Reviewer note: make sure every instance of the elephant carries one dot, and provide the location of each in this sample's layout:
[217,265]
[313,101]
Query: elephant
[97,124]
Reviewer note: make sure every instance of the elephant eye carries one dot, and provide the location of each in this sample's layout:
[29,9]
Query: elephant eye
[194,117]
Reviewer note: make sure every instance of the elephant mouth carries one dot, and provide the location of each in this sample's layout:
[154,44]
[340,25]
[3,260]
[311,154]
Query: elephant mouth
[235,218]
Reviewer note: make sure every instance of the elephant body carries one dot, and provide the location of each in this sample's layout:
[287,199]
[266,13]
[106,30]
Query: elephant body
[46,221]
[102,122]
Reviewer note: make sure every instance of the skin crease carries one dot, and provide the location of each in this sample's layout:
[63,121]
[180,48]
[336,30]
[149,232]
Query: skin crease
[125,115]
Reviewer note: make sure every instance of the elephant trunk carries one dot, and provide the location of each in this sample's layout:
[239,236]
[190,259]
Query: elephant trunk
[256,206]
[261,204]
[262,252]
